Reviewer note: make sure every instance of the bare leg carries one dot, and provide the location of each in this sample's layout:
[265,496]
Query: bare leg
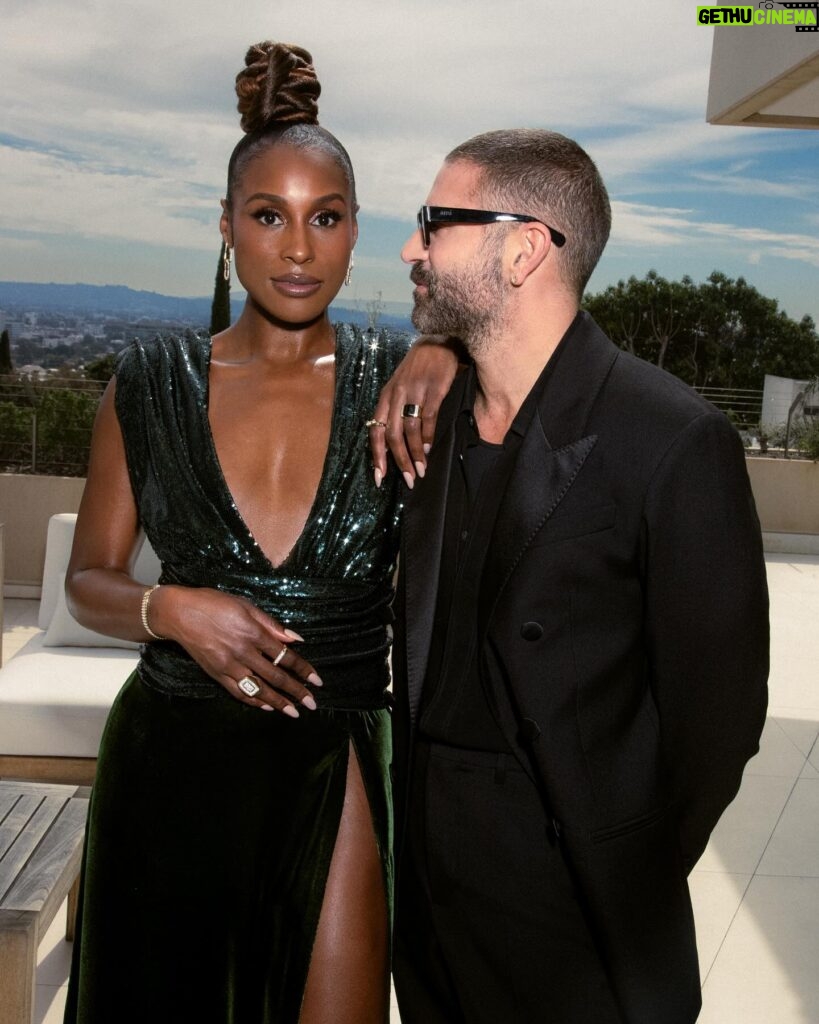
[348,979]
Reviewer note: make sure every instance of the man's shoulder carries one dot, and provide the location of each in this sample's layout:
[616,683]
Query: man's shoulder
[641,394]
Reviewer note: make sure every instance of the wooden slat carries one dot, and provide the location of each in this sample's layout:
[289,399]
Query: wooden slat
[8,798]
[55,863]
[39,788]
[77,770]
[33,818]
[16,819]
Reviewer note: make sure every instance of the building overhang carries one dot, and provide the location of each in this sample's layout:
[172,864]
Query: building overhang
[764,76]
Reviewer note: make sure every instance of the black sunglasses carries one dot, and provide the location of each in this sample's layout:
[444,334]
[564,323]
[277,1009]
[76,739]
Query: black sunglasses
[430,216]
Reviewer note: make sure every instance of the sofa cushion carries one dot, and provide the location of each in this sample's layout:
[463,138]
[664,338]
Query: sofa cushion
[54,701]
[59,539]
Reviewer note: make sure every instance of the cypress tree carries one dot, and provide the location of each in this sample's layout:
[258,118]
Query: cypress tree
[220,307]
[6,365]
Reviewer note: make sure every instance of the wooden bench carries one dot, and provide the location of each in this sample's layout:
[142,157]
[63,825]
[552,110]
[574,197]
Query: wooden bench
[41,838]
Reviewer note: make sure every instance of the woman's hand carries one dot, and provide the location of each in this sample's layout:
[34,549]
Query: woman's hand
[422,378]
[233,641]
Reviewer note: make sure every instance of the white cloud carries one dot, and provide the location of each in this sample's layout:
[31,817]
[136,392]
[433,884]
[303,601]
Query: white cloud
[130,115]
[637,224]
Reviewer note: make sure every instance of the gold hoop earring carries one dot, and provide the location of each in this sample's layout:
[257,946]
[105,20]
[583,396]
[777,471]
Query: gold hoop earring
[226,262]
[349,275]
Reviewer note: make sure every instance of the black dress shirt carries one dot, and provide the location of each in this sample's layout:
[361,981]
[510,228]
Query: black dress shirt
[462,694]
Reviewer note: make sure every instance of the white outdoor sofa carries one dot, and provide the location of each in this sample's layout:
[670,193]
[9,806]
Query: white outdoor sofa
[55,693]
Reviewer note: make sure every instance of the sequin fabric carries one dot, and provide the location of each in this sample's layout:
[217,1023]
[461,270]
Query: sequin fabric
[335,586]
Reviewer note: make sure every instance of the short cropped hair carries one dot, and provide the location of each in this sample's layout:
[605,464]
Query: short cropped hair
[551,178]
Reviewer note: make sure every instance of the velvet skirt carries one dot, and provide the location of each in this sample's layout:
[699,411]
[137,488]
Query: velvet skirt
[211,830]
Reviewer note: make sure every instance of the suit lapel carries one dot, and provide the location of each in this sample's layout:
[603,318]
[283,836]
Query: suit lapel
[551,454]
[541,478]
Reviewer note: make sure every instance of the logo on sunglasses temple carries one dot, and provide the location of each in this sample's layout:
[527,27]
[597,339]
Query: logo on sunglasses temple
[429,216]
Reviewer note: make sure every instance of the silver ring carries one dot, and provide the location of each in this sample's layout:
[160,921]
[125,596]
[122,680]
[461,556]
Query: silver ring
[248,686]
[411,412]
[280,655]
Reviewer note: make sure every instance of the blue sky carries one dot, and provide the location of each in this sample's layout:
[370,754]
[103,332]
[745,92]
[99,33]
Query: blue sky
[118,121]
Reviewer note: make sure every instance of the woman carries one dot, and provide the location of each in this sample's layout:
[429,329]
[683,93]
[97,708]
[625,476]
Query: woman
[238,855]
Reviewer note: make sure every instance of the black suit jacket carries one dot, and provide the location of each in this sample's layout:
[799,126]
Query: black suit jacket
[624,602]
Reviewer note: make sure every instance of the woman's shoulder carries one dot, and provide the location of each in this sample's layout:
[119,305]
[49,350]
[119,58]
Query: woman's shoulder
[152,355]
[385,346]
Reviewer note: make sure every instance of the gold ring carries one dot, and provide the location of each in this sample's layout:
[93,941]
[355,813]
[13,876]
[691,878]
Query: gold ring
[411,412]
[280,655]
[375,423]
[248,686]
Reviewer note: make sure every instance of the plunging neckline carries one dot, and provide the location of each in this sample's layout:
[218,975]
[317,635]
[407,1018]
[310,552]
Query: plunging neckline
[323,483]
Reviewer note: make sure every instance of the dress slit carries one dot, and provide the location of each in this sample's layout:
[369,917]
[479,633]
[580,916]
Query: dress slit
[351,944]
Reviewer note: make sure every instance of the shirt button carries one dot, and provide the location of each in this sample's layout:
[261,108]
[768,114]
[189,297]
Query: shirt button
[531,631]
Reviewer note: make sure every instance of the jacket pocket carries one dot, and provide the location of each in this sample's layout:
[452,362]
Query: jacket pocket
[576,524]
[624,828]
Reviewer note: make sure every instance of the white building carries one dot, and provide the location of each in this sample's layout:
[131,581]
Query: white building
[766,75]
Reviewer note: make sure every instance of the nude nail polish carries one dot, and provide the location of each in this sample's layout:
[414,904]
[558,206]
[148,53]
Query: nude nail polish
[409,479]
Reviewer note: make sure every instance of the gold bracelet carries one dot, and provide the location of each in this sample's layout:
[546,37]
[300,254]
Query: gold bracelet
[146,597]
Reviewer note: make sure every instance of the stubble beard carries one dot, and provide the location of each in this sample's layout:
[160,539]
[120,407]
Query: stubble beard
[469,304]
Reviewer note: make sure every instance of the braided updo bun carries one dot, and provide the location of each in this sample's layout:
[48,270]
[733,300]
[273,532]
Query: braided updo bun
[278,102]
[279,84]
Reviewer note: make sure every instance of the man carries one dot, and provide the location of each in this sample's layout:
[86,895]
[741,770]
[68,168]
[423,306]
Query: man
[581,651]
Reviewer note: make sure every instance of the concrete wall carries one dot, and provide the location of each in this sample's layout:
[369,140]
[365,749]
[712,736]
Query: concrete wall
[786,493]
[26,504]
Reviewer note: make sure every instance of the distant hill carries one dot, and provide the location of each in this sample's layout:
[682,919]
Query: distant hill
[120,301]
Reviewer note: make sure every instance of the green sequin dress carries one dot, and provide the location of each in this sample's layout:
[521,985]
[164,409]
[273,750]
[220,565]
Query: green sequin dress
[212,824]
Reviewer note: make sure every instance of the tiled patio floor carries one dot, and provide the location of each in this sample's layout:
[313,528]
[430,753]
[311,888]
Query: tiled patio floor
[755,890]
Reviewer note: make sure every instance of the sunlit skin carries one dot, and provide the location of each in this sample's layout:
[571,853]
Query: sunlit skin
[537,305]
[292,225]
[292,228]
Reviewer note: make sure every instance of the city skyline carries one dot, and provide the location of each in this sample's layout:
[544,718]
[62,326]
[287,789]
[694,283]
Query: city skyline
[119,122]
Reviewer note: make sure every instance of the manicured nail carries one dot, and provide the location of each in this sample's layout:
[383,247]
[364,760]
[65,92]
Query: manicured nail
[379,476]
[308,702]
[266,707]
[288,709]
[427,449]
[315,679]
[409,479]
[291,634]
[420,469]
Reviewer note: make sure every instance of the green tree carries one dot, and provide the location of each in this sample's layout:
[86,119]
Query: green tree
[101,369]
[64,422]
[220,307]
[722,333]
[6,365]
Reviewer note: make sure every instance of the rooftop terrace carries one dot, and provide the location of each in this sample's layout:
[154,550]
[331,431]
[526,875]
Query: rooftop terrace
[756,888]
